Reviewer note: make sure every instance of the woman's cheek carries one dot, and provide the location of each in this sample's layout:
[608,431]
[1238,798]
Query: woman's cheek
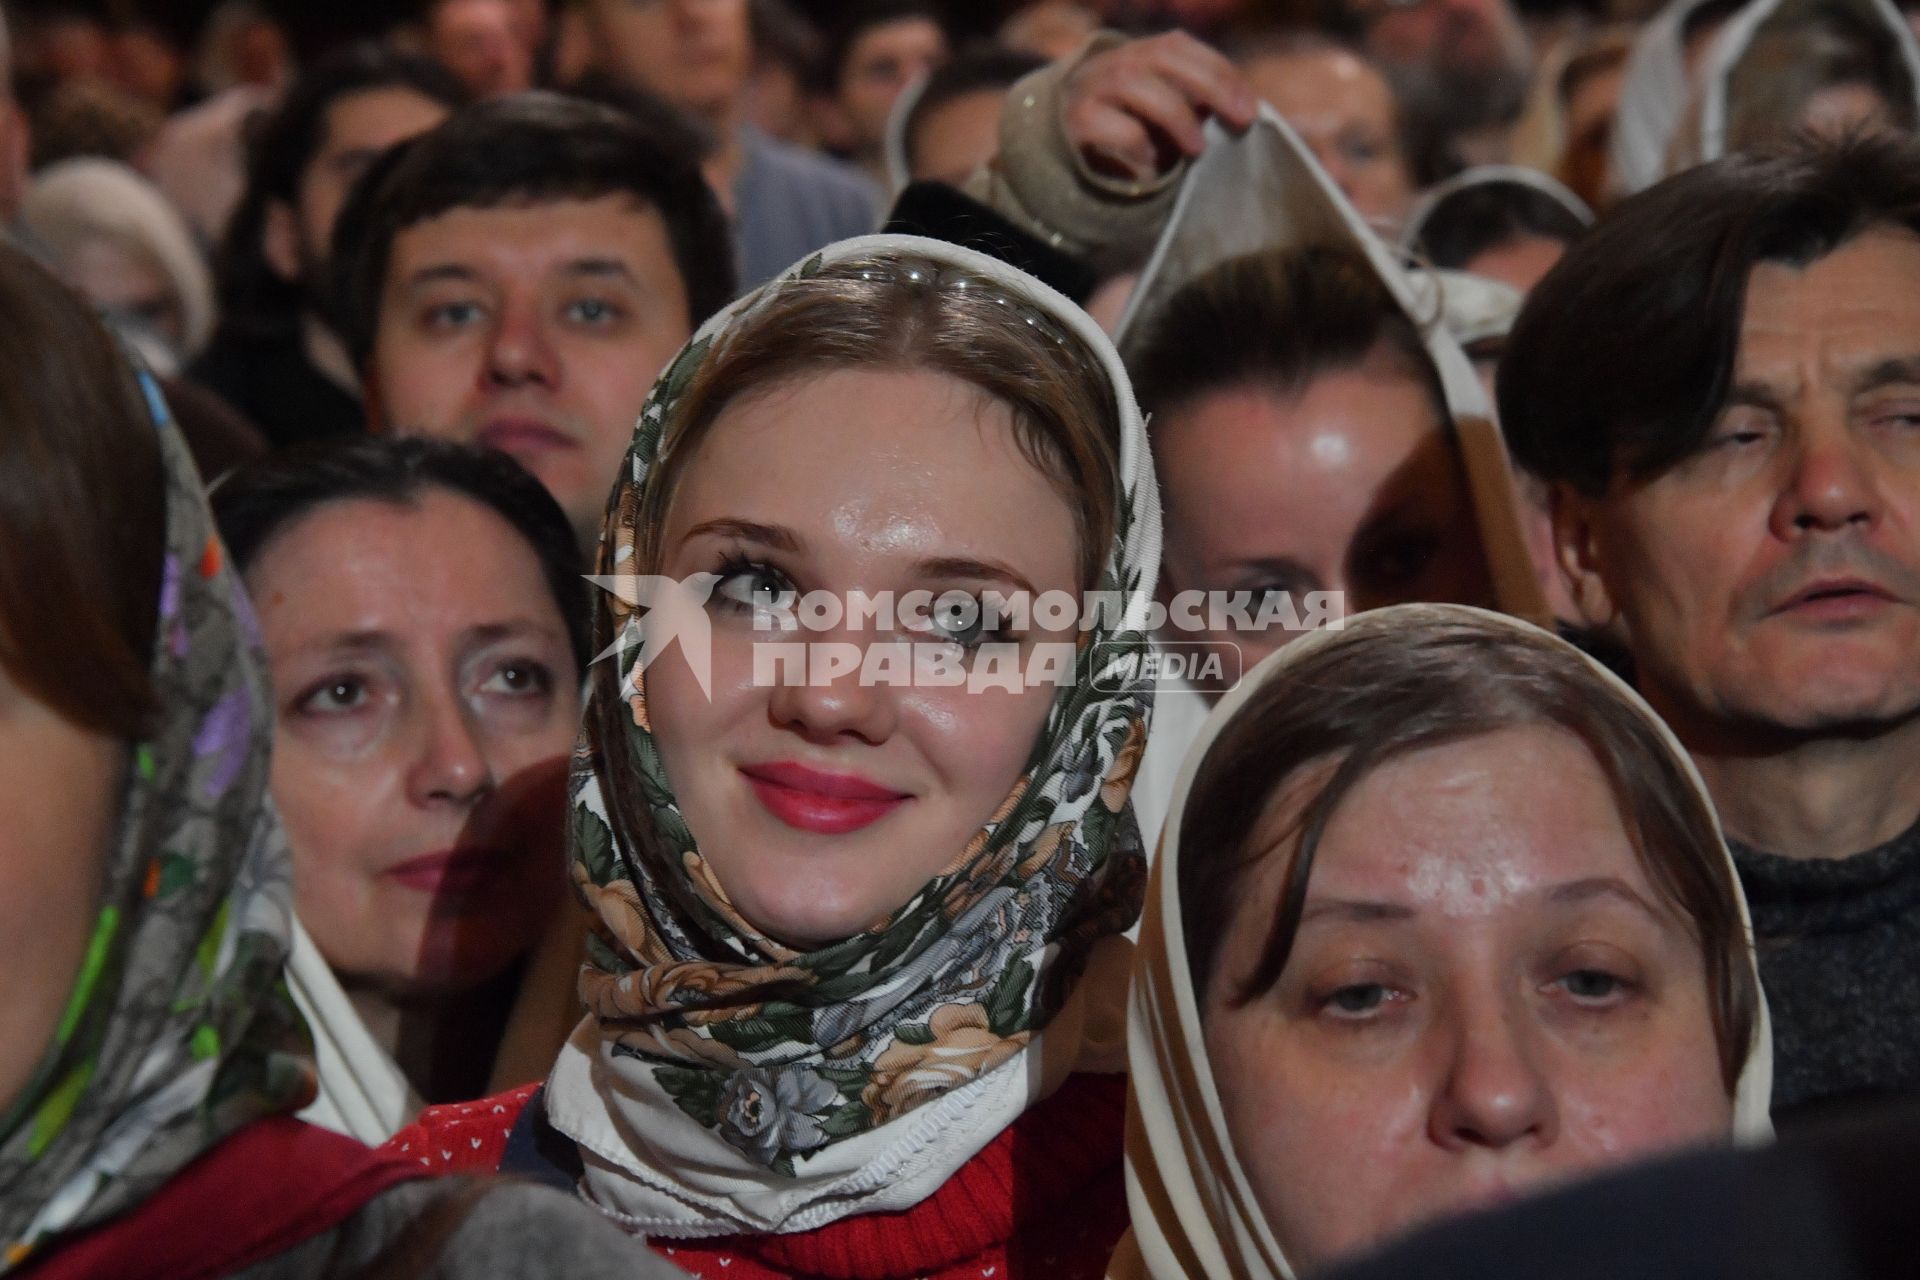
[332,816]
[979,739]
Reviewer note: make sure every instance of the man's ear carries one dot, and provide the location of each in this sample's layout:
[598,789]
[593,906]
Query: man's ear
[1576,546]
[280,241]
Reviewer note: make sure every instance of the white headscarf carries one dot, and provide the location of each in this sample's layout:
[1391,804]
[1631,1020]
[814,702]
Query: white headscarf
[1262,191]
[1729,60]
[1195,1216]
[623,1086]
[89,198]
[1653,97]
[362,1091]
[1488,175]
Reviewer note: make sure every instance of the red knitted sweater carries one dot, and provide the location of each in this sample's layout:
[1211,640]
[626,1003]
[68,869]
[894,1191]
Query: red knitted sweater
[1043,1201]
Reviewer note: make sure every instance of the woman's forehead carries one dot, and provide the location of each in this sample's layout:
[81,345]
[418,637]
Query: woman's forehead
[1507,819]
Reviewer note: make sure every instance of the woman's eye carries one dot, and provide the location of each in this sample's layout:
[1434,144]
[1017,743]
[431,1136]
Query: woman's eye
[1592,986]
[333,696]
[754,587]
[1360,999]
[963,622]
[519,679]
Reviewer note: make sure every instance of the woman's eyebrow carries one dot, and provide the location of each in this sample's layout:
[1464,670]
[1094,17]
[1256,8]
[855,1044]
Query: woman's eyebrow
[363,640]
[969,567]
[776,536]
[1575,892]
[485,633]
[1356,911]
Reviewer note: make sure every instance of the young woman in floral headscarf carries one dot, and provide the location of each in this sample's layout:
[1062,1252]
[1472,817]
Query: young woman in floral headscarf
[149,1055]
[854,987]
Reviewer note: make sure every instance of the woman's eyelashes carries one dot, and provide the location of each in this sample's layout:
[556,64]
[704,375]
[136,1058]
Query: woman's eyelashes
[519,678]
[335,694]
[751,588]
[755,588]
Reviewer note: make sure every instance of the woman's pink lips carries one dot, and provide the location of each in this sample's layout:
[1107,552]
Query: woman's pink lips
[824,803]
[448,871]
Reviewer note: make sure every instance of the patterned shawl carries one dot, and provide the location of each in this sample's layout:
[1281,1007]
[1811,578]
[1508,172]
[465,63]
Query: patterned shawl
[788,1061]
[178,1031]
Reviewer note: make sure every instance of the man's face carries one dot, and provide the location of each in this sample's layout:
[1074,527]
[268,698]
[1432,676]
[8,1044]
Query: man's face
[694,53]
[1468,36]
[484,43]
[1772,578]
[536,329]
[882,62]
[357,128]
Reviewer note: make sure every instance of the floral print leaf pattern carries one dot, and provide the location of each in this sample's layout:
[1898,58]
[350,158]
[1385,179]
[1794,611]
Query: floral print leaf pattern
[183,981]
[782,1053]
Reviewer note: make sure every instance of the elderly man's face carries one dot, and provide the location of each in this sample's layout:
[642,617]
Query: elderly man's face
[1772,578]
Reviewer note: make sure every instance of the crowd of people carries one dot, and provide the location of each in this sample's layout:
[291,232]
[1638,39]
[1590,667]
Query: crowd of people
[1165,640]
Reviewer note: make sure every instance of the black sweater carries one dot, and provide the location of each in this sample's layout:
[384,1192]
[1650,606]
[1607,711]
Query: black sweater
[1839,943]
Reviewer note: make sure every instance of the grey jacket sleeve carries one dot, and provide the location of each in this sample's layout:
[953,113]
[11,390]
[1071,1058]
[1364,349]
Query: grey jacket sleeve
[1039,182]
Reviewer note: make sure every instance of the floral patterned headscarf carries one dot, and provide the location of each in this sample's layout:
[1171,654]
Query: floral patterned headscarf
[179,1030]
[783,1058]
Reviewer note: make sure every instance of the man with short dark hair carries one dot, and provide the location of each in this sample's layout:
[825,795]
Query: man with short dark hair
[276,356]
[520,275]
[875,49]
[785,201]
[1722,385]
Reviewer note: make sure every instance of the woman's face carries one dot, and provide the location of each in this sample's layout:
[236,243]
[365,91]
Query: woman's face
[1486,994]
[1353,486]
[120,279]
[426,700]
[60,792]
[823,807]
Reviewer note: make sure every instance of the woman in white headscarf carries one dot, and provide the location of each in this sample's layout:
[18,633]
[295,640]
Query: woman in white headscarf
[854,985]
[112,235]
[1442,915]
[1779,66]
[1298,465]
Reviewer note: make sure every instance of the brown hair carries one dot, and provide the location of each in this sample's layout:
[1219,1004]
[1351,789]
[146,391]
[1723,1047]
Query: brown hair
[83,511]
[1278,319]
[1421,678]
[901,311]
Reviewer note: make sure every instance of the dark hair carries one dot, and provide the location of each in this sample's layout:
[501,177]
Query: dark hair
[784,36]
[82,511]
[674,129]
[1426,677]
[1471,219]
[258,502]
[1279,319]
[281,144]
[527,148]
[976,69]
[1620,360]
[852,21]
